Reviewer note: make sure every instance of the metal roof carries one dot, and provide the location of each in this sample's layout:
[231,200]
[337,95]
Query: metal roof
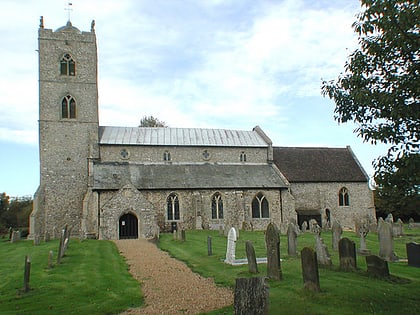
[109,176]
[180,137]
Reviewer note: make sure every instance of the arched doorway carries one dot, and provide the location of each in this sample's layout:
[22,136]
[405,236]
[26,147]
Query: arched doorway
[128,226]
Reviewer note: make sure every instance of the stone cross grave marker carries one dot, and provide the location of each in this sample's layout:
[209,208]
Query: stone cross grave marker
[386,243]
[413,254]
[347,254]
[363,232]
[251,296]
[251,257]
[272,240]
[337,231]
[310,269]
[377,267]
[291,240]
[321,249]
[231,246]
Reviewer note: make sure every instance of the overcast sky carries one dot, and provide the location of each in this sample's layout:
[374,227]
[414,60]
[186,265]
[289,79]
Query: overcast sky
[230,64]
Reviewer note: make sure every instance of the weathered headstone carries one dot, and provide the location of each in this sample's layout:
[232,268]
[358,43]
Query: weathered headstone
[389,218]
[310,269]
[251,296]
[221,231]
[27,274]
[337,231]
[61,245]
[272,241]
[386,243]
[410,223]
[291,240]
[283,228]
[377,267]
[363,232]
[175,235]
[251,257]
[413,254]
[312,225]
[47,237]
[182,239]
[15,237]
[347,254]
[321,249]
[37,240]
[398,228]
[209,246]
[231,246]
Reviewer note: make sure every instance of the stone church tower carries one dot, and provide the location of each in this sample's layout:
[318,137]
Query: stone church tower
[68,126]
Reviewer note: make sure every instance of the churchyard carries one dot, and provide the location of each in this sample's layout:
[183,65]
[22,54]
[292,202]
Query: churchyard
[92,278]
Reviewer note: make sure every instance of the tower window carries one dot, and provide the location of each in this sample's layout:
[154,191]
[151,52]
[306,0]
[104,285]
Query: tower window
[68,107]
[67,65]
[242,157]
[166,156]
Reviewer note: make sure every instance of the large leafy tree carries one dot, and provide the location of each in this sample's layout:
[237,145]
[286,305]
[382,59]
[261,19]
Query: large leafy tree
[379,90]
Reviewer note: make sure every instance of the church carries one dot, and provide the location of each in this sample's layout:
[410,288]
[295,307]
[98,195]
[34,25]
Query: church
[108,182]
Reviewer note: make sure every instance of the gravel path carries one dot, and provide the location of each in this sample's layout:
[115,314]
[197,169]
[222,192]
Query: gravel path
[168,285]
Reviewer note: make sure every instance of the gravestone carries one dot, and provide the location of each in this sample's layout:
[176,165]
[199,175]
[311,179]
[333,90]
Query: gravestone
[37,240]
[231,246]
[251,257]
[283,228]
[321,249]
[47,237]
[386,243]
[389,218]
[251,296]
[209,246]
[272,241]
[175,235]
[15,237]
[337,231]
[398,228]
[221,231]
[304,226]
[26,274]
[413,254]
[347,254]
[310,269]
[363,232]
[377,267]
[410,223]
[291,240]
[312,225]
[182,235]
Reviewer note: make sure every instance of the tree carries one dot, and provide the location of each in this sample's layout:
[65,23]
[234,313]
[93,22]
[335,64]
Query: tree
[150,121]
[380,91]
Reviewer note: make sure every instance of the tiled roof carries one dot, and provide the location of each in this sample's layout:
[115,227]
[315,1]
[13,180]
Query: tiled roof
[180,137]
[191,176]
[300,164]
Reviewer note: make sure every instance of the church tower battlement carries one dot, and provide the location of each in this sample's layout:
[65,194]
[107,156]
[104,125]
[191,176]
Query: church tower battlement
[68,125]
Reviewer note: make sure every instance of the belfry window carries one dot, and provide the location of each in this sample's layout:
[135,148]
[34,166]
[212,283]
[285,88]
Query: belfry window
[242,157]
[260,207]
[67,65]
[68,107]
[343,197]
[166,156]
[216,206]
[172,203]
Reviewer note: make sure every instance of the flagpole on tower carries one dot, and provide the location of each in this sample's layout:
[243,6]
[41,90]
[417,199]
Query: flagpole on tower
[69,9]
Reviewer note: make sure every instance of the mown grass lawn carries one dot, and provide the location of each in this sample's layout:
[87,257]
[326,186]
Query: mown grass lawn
[91,279]
[342,292]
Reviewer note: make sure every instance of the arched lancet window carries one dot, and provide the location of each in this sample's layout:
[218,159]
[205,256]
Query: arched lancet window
[260,208]
[68,107]
[343,197]
[217,206]
[172,207]
[166,156]
[67,65]
[242,157]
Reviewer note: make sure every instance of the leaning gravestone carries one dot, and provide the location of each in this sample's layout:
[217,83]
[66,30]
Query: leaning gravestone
[27,274]
[291,240]
[347,254]
[272,241]
[251,257]
[310,269]
[386,243]
[413,254]
[231,247]
[251,296]
[377,267]
[321,249]
[337,231]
